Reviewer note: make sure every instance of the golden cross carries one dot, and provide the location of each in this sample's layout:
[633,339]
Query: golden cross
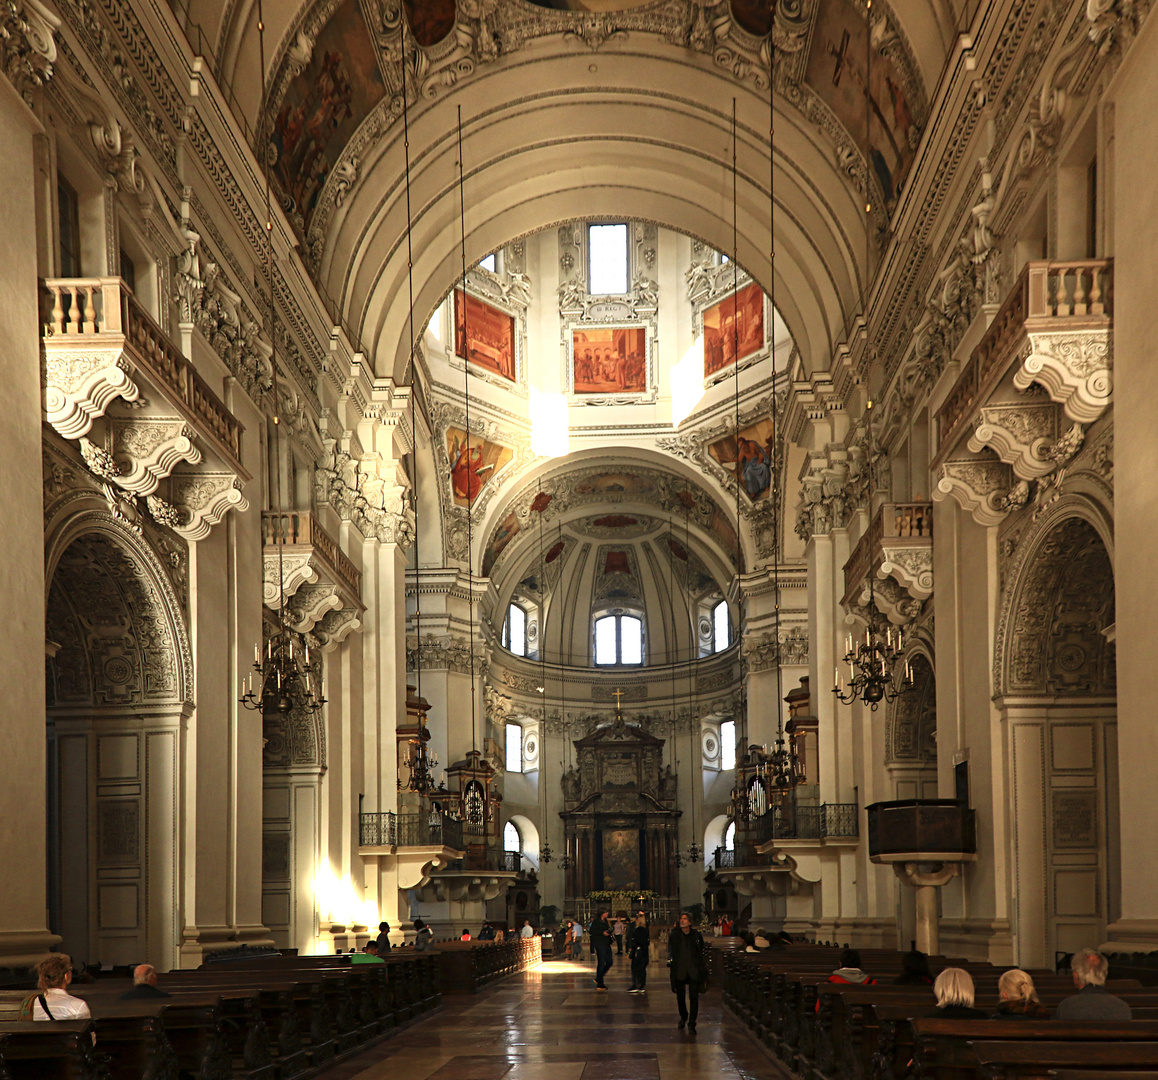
[618,695]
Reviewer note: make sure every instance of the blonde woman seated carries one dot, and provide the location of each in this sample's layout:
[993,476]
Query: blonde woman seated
[1018,998]
[954,991]
[54,1002]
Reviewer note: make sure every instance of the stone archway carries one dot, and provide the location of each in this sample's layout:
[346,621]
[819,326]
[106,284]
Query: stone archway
[1056,676]
[117,692]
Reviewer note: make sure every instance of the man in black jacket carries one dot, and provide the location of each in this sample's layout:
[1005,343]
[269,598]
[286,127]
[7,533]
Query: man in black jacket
[689,969]
[144,984]
[600,931]
[638,944]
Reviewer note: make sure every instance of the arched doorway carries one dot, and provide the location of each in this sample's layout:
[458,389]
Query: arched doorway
[116,686]
[1057,692]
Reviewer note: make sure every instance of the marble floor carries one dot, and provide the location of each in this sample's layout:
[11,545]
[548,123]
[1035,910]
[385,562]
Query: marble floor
[551,1024]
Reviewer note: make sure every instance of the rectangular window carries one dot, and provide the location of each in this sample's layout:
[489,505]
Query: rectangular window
[631,640]
[605,641]
[517,630]
[728,744]
[607,259]
[720,626]
[68,208]
[128,271]
[514,748]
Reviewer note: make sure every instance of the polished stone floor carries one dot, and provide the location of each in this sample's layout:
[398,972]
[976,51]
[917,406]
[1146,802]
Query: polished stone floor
[551,1024]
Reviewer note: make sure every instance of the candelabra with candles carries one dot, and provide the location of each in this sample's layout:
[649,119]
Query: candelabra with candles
[420,762]
[286,677]
[872,669]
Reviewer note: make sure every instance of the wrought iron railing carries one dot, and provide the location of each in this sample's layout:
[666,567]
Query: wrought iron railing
[808,822]
[410,830]
[378,830]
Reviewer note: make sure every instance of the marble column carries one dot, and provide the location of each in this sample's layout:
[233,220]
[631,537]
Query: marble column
[24,934]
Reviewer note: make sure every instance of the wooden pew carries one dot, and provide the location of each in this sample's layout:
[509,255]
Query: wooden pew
[1037,1059]
[43,1050]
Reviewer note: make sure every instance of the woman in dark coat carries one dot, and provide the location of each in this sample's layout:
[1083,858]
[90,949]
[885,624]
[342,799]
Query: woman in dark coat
[689,969]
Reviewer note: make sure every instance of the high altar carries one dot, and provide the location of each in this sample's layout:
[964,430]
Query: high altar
[620,823]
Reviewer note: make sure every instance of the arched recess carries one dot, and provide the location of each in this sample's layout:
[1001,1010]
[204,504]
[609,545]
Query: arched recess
[529,836]
[118,688]
[1057,696]
[714,836]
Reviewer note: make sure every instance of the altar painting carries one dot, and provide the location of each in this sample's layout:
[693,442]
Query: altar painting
[620,859]
[734,326]
[609,360]
[472,463]
[484,335]
[749,457]
[323,107]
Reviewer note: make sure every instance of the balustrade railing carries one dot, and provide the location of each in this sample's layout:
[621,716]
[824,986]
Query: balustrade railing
[1073,289]
[892,521]
[302,527]
[808,822]
[88,307]
[378,830]
[387,829]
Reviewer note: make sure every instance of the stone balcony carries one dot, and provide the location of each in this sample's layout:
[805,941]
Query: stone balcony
[896,553]
[146,423]
[416,845]
[1018,408]
[306,570]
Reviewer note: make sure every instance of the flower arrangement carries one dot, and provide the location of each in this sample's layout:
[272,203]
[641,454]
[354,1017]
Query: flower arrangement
[639,896]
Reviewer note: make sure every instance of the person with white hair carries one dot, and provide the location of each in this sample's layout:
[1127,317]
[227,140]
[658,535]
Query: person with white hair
[954,991]
[1092,1001]
[144,984]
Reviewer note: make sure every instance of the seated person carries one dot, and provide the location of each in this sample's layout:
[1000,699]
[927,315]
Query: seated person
[1093,1001]
[368,955]
[465,934]
[750,942]
[953,989]
[54,1002]
[850,970]
[762,939]
[144,984]
[914,970]
[1018,998]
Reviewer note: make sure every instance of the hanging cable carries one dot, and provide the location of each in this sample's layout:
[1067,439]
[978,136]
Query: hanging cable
[413,356]
[466,392]
[545,850]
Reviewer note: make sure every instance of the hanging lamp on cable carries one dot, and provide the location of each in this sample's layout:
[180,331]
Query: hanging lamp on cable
[565,861]
[545,853]
[876,670]
[288,679]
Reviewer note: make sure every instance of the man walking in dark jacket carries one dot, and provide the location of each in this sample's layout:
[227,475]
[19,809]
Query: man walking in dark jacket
[689,969]
[638,944]
[601,942]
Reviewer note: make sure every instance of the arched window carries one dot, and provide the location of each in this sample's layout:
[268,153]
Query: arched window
[512,841]
[515,630]
[730,837]
[618,639]
[489,263]
[720,626]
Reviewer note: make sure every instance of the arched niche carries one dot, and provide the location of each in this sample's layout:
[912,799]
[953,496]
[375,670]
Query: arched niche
[911,733]
[118,690]
[1056,677]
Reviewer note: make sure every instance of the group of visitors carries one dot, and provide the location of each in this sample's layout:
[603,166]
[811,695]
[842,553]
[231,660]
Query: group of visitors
[1017,996]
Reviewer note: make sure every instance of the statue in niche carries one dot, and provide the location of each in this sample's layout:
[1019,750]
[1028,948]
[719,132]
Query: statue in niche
[667,786]
[572,785]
